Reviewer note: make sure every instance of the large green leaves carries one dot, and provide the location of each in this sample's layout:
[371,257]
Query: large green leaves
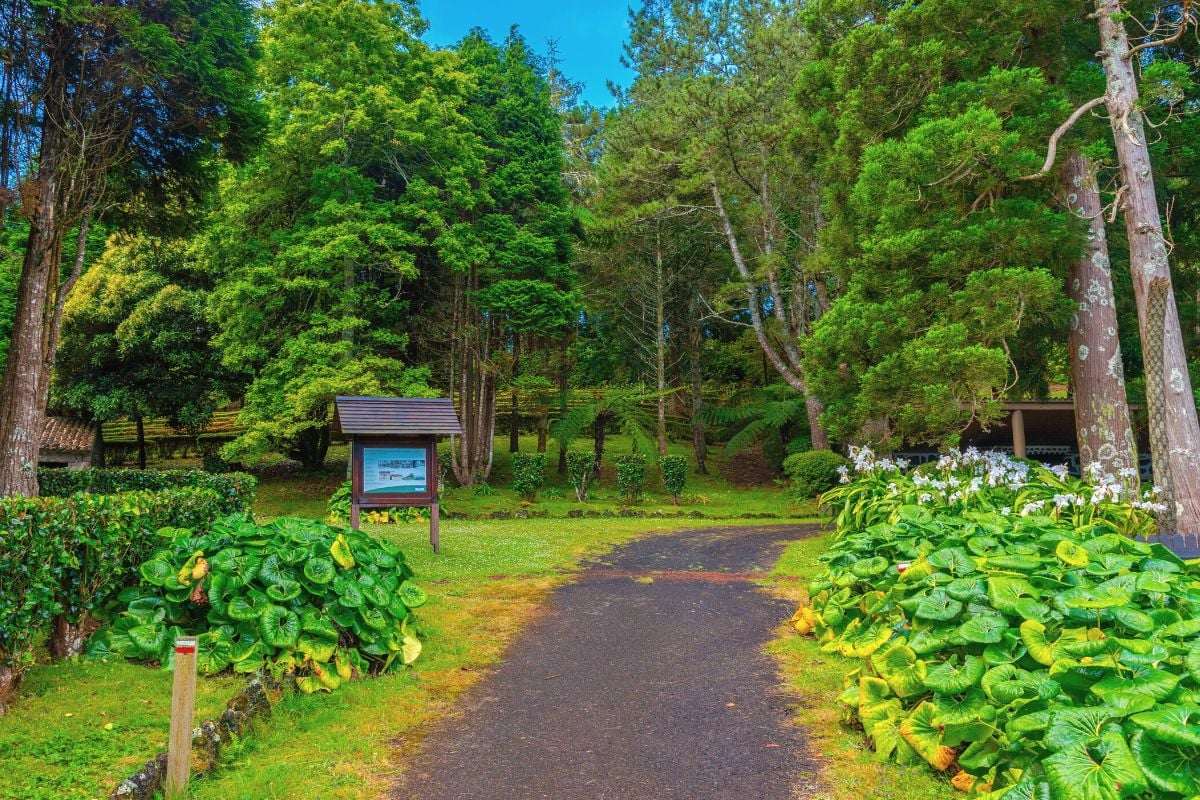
[950,677]
[1169,766]
[279,626]
[275,597]
[924,735]
[1058,659]
[938,605]
[1095,769]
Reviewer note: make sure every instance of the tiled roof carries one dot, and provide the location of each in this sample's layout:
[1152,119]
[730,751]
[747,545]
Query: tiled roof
[67,435]
[395,416]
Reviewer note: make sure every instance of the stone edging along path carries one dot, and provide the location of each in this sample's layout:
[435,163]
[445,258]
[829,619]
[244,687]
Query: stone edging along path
[645,678]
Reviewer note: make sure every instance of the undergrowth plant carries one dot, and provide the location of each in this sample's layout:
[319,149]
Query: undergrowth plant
[674,475]
[581,467]
[296,596]
[631,476]
[1011,633]
[529,473]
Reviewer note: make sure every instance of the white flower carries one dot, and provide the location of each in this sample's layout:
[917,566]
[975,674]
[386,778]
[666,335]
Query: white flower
[925,497]
[1006,511]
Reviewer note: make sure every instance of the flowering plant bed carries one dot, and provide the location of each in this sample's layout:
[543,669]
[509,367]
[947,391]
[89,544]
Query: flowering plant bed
[1011,631]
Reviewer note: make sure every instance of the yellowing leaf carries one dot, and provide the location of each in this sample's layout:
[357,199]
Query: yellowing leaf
[340,550]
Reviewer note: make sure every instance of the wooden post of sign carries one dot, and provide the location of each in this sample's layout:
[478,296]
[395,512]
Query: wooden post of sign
[435,538]
[183,712]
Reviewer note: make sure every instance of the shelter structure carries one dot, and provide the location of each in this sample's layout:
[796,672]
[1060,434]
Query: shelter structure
[67,444]
[393,452]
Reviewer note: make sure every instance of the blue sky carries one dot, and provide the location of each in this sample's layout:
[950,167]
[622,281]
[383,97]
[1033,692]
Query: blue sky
[589,33]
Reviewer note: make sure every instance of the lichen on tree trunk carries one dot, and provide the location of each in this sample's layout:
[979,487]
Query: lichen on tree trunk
[1172,409]
[1106,442]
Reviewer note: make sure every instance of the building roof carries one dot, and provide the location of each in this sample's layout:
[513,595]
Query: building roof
[395,416]
[64,435]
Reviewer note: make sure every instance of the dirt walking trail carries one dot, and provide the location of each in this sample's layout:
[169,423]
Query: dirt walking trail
[644,680]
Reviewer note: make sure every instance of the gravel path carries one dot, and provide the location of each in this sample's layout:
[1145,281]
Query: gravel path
[645,680]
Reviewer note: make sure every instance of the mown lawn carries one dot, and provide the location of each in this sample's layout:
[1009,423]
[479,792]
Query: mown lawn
[79,725]
[712,495]
[489,581]
[851,771]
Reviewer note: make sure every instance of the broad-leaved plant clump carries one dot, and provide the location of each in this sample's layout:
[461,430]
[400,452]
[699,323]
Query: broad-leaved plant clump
[1010,630]
[326,604]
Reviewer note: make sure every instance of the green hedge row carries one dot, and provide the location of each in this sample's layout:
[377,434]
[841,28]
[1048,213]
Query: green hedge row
[235,487]
[68,557]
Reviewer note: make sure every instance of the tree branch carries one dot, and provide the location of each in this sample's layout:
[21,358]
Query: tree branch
[1052,151]
[1185,19]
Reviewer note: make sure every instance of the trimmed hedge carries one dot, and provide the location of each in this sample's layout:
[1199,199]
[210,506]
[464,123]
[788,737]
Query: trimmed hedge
[529,473]
[815,472]
[674,475]
[237,488]
[631,476]
[68,557]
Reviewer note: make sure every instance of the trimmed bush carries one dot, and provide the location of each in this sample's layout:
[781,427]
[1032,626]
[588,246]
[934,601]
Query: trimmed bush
[64,558]
[815,472]
[631,476]
[674,475]
[295,596]
[236,487]
[529,473]
[581,467]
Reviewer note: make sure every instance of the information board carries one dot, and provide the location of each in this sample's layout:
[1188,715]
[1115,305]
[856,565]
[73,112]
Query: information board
[395,471]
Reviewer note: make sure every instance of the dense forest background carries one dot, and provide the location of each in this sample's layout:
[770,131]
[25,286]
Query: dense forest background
[804,224]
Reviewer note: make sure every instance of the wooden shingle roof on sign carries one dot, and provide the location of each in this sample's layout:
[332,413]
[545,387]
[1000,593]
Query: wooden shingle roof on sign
[64,435]
[395,416]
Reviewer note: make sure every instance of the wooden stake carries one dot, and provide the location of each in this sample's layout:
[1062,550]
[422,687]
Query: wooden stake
[183,712]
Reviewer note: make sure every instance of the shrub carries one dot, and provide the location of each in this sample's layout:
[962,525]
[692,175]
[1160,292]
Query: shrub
[236,487]
[65,558]
[339,507]
[631,476]
[581,467]
[1015,634]
[674,475]
[295,596]
[529,473]
[814,472]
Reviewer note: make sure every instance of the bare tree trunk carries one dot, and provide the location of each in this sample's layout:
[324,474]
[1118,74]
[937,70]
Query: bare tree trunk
[21,413]
[60,303]
[696,379]
[599,428]
[1106,442]
[790,372]
[816,431]
[98,446]
[815,408]
[1174,430]
[660,343]
[68,638]
[514,422]
[141,442]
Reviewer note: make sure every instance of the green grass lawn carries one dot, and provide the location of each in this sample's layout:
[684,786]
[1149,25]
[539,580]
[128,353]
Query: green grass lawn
[851,770]
[80,726]
[489,581]
[711,495]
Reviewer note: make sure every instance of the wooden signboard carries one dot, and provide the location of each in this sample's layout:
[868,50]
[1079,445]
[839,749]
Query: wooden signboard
[393,453]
